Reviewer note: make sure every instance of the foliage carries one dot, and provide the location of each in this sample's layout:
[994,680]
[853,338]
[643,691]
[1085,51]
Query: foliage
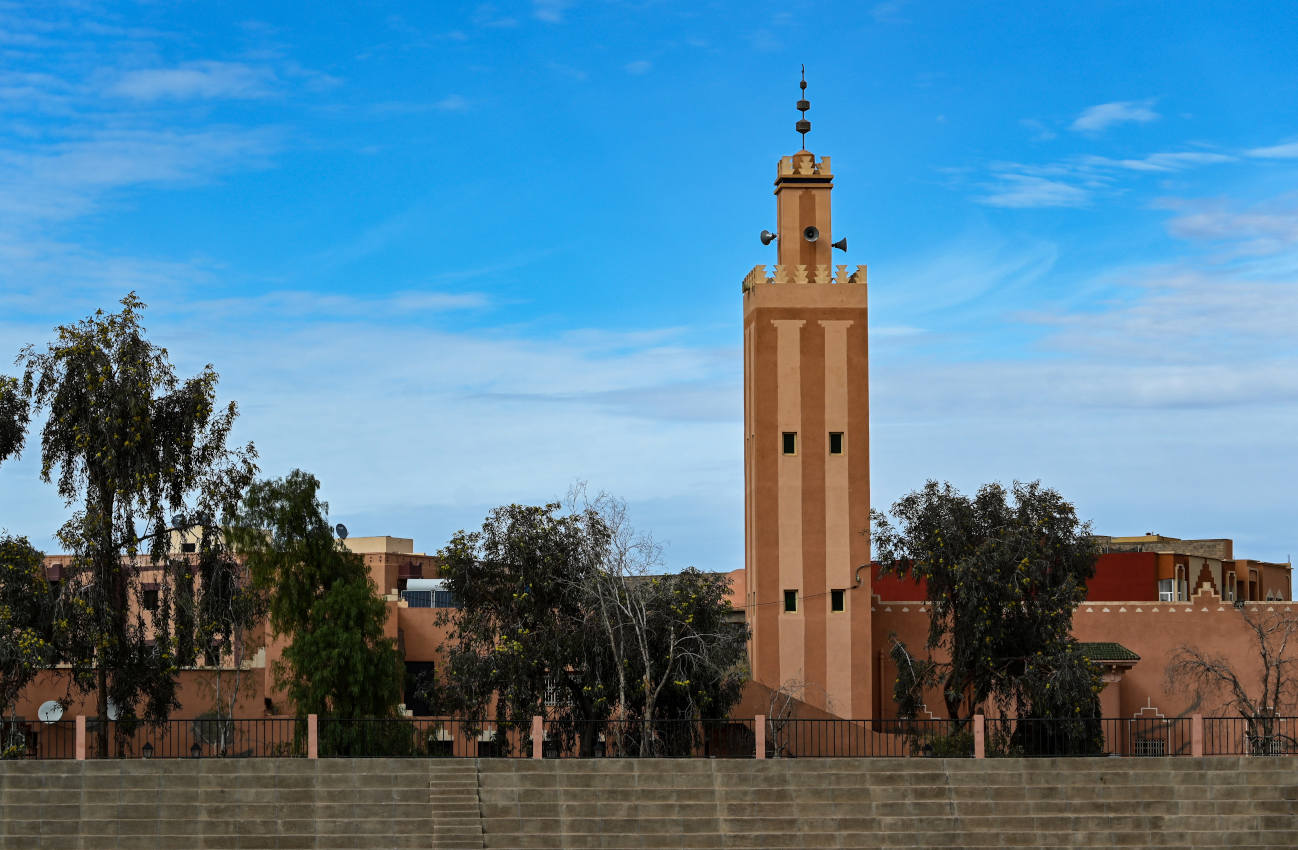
[338,660]
[130,445]
[1003,572]
[521,626]
[27,641]
[1272,688]
[564,601]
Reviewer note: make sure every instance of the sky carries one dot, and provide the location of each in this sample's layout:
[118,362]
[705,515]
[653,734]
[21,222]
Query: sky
[451,256]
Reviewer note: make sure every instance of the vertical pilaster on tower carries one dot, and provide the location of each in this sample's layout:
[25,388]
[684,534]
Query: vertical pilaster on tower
[806,454]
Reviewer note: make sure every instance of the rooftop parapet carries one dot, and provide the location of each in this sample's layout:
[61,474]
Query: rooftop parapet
[800,274]
[803,164]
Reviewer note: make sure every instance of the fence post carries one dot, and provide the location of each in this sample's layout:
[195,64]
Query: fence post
[980,736]
[538,737]
[1196,735]
[81,737]
[312,736]
[759,733]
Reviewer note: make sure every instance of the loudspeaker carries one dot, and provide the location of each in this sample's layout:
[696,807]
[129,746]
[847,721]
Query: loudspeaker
[840,244]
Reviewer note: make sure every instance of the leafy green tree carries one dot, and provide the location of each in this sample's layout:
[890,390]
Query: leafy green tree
[338,661]
[129,445]
[1003,572]
[564,603]
[521,628]
[27,642]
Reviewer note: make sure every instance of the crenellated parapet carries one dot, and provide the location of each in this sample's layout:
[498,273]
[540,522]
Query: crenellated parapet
[799,274]
[804,164]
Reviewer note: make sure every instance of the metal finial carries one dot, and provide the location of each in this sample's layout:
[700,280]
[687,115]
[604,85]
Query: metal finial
[803,126]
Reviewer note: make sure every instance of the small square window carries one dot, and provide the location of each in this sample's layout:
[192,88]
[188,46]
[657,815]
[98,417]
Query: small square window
[835,442]
[790,601]
[837,600]
[150,599]
[790,442]
[189,548]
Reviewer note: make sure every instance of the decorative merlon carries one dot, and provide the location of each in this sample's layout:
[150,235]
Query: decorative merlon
[804,274]
[804,164]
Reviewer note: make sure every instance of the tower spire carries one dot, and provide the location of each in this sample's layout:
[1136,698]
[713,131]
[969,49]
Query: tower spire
[803,126]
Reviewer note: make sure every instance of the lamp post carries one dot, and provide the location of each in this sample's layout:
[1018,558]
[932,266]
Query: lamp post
[195,751]
[147,750]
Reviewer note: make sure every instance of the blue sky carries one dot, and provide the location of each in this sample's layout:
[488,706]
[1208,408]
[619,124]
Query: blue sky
[451,256]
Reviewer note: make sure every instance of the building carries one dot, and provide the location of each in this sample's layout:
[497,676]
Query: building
[806,450]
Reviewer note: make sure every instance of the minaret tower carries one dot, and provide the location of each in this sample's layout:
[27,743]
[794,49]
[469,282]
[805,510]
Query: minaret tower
[807,452]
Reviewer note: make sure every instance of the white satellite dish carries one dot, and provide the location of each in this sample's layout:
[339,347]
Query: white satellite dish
[113,710]
[50,712]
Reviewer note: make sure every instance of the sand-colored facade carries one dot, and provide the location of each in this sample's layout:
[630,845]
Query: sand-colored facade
[806,452]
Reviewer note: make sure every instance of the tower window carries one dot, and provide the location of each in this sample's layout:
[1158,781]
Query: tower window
[837,600]
[835,442]
[189,548]
[790,601]
[790,442]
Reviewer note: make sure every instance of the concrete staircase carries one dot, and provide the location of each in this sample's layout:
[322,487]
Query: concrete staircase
[840,803]
[239,804]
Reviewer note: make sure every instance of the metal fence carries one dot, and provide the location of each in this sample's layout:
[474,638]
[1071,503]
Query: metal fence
[203,737]
[649,739]
[1089,736]
[437,737]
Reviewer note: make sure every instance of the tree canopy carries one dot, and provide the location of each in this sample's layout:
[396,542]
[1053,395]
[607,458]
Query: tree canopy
[560,617]
[1003,572]
[129,445]
[338,661]
[27,621]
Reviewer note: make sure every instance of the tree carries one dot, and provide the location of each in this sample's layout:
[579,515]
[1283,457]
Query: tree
[1003,572]
[129,445]
[561,617]
[521,631]
[1272,689]
[27,644]
[338,661]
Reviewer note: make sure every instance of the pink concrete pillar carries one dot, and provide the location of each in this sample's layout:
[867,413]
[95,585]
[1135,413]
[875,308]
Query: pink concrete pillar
[81,737]
[980,736]
[1196,734]
[759,732]
[312,737]
[538,737]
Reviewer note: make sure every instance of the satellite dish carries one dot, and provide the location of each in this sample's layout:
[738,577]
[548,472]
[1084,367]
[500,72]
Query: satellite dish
[113,711]
[341,530]
[50,712]
[178,521]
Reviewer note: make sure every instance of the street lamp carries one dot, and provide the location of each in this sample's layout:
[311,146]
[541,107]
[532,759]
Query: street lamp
[147,750]
[195,751]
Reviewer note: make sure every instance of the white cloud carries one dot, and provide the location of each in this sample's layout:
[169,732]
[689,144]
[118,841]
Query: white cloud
[1177,161]
[1285,151]
[452,103]
[66,179]
[1023,190]
[638,67]
[550,11]
[888,11]
[1268,228]
[195,80]
[1095,119]
[1040,132]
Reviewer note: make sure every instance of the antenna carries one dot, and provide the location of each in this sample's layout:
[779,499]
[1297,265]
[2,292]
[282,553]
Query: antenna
[341,530]
[803,126]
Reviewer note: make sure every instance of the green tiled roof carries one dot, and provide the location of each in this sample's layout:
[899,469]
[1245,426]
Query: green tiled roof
[1108,652]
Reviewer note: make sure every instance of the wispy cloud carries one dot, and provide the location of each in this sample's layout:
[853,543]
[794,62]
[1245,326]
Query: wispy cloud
[1264,229]
[1289,150]
[69,178]
[1096,119]
[1023,190]
[550,11]
[195,80]
[888,11]
[1040,132]
[638,67]
[1178,161]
